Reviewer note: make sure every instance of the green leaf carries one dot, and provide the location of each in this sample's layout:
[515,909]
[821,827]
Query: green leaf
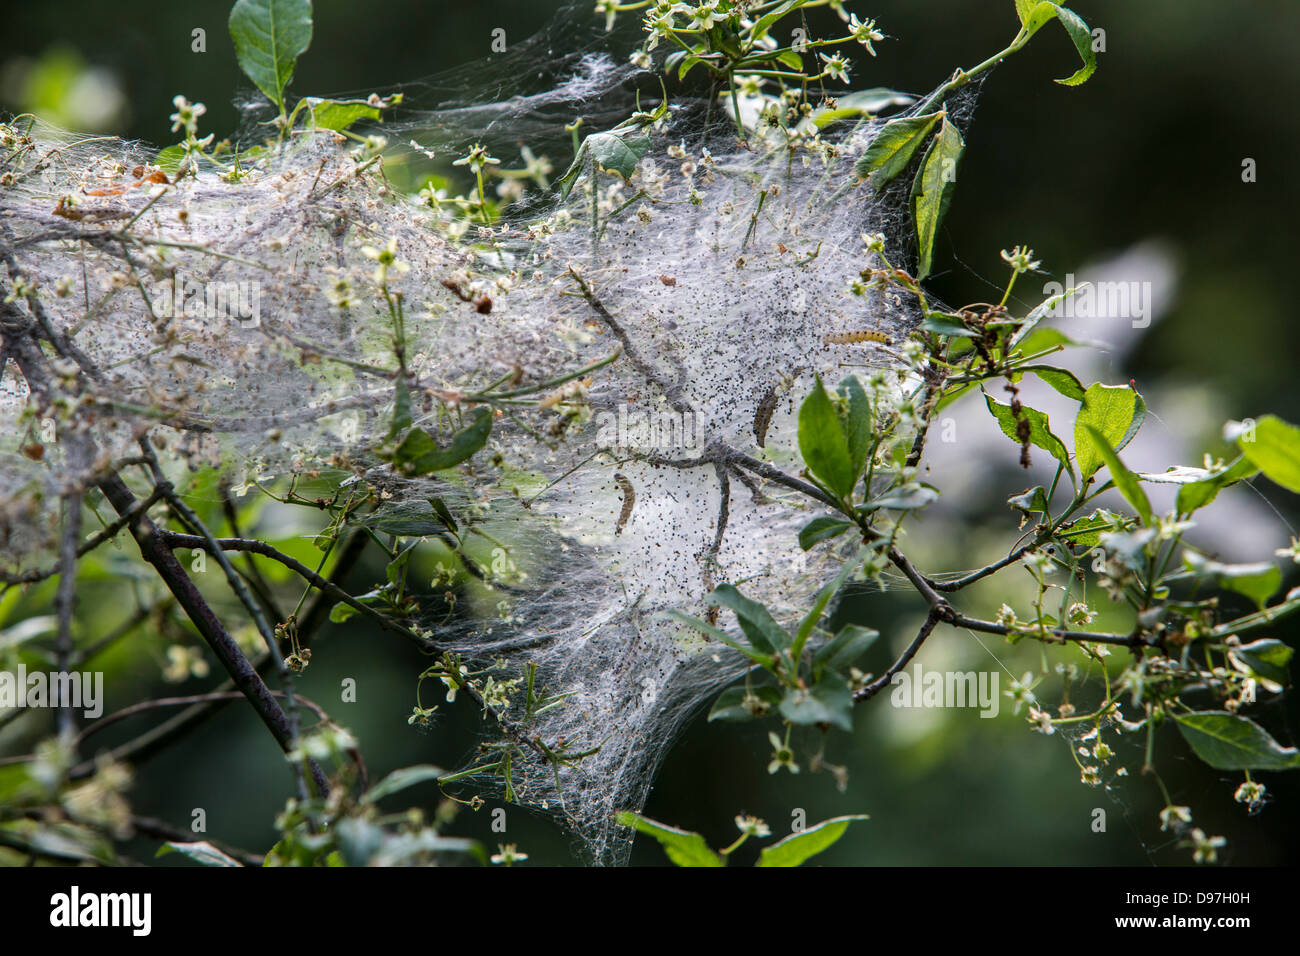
[618,152]
[169,159]
[945,325]
[908,497]
[798,847]
[200,852]
[722,637]
[932,191]
[769,19]
[894,148]
[1198,494]
[859,434]
[828,591]
[730,704]
[1042,13]
[402,778]
[859,103]
[419,454]
[1259,581]
[1125,480]
[339,114]
[763,632]
[1268,659]
[1275,450]
[359,840]
[1024,8]
[1040,430]
[1111,410]
[444,513]
[269,36]
[1033,500]
[822,529]
[1087,532]
[407,519]
[682,846]
[341,612]
[843,649]
[829,701]
[1040,340]
[1061,380]
[823,444]
[1231,742]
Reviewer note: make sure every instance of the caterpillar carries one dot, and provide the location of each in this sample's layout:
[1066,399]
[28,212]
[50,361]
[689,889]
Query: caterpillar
[763,415]
[853,338]
[629,500]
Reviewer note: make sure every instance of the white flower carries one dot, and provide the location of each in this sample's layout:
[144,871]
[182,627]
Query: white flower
[1021,259]
[837,68]
[1043,719]
[865,33]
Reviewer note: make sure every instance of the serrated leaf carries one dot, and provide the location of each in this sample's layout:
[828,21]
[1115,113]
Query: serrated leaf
[801,846]
[894,148]
[683,847]
[932,190]
[1231,742]
[1042,13]
[269,36]
[1061,380]
[1040,430]
[1111,410]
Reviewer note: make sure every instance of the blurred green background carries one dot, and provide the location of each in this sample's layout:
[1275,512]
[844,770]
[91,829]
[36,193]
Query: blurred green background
[1150,149]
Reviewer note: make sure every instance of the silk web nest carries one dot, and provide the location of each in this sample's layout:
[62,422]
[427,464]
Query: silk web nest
[718,275]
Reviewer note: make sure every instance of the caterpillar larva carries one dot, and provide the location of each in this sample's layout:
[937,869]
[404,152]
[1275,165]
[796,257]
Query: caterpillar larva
[853,338]
[763,415]
[629,500]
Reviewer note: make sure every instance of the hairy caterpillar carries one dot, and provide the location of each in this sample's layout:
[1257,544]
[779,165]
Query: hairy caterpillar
[853,338]
[629,500]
